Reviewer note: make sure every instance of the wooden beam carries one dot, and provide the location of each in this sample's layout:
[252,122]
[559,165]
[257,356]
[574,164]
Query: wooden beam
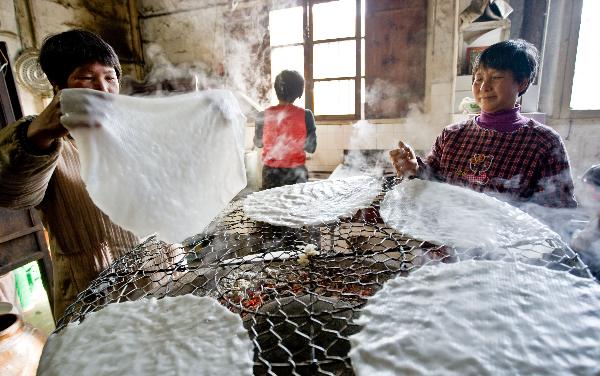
[26,23]
[136,39]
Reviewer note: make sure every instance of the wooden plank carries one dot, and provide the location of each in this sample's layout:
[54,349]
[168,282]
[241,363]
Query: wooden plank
[19,249]
[309,83]
[358,80]
[20,262]
[20,234]
[395,43]
[374,6]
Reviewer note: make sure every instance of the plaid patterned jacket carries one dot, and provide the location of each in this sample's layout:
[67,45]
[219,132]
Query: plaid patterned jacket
[529,164]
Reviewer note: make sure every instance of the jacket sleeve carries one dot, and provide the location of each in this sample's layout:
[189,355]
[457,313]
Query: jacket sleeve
[24,174]
[258,129]
[310,144]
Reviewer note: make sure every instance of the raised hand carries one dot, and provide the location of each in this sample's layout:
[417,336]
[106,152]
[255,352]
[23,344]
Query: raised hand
[404,160]
[85,108]
[46,127]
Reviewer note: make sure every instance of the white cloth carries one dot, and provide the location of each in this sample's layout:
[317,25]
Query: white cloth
[166,165]
[481,318]
[183,335]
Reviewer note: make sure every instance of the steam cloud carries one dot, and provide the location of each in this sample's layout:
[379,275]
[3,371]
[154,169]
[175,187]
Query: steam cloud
[243,58]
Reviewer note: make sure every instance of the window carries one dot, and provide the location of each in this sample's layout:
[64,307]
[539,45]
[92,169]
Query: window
[330,54]
[586,79]
[571,55]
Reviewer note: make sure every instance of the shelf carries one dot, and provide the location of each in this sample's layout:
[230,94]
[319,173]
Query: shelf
[485,25]
[479,34]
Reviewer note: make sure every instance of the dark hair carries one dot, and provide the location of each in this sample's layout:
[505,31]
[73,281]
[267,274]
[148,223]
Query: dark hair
[289,85]
[517,55]
[62,53]
[592,176]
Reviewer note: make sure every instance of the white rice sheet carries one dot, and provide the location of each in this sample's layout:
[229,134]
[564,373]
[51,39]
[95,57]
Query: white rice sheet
[166,165]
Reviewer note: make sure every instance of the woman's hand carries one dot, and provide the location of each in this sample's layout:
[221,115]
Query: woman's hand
[85,108]
[46,127]
[404,160]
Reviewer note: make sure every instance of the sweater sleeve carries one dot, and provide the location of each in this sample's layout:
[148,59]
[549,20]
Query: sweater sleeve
[259,122]
[24,175]
[555,184]
[430,166]
[310,144]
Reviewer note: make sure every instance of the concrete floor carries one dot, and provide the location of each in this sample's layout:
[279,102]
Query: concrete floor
[38,313]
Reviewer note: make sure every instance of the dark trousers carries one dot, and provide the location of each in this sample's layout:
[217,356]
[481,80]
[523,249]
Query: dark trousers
[276,177]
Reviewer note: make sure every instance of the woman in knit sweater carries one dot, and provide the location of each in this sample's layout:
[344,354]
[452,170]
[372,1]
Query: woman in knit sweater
[39,166]
[500,152]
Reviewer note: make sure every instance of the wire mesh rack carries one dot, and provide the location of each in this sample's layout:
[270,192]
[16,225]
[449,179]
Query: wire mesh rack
[299,308]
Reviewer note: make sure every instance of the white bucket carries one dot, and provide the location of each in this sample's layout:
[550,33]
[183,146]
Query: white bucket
[253,169]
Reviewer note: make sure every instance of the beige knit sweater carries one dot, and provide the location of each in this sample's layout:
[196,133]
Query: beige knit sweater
[83,240]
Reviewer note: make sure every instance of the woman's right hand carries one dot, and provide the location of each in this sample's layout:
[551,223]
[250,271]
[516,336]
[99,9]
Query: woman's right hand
[46,127]
[404,160]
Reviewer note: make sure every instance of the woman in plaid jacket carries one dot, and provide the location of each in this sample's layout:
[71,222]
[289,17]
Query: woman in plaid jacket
[500,151]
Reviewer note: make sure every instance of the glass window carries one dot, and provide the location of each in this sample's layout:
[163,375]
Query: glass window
[362,57]
[335,59]
[344,14]
[290,58]
[586,79]
[334,97]
[285,26]
[362,19]
[327,58]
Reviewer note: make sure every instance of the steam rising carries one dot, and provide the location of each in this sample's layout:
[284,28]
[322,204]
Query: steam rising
[242,46]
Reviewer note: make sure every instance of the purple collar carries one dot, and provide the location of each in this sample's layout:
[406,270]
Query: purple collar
[502,121]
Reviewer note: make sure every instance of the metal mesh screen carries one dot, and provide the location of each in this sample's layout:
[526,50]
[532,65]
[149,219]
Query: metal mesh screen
[299,311]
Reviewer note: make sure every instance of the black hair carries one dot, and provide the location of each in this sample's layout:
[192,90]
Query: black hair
[289,85]
[592,176]
[515,55]
[62,53]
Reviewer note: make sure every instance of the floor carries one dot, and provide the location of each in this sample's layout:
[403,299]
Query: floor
[35,307]
[38,313]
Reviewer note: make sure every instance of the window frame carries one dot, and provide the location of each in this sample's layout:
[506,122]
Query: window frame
[559,66]
[308,44]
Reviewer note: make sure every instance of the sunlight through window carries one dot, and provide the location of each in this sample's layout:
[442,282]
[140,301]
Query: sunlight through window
[586,80]
[334,97]
[285,26]
[342,12]
[331,63]
[290,58]
[336,59]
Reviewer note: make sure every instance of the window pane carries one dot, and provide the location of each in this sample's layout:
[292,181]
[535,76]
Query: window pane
[337,59]
[363,11]
[362,57]
[285,26]
[586,79]
[363,90]
[334,19]
[334,97]
[290,58]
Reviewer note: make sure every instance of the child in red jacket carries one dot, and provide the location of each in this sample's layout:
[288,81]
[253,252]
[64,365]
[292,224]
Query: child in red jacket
[285,132]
